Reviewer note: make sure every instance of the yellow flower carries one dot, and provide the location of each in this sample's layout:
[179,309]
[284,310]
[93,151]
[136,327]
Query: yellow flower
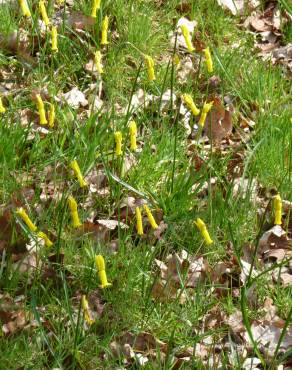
[150,67]
[97,61]
[52,115]
[203,230]
[104,30]
[186,34]
[278,210]
[21,212]
[74,212]
[188,100]
[208,60]
[133,135]
[46,239]
[24,8]
[2,108]
[95,7]
[205,111]
[100,265]
[118,140]
[86,312]
[150,217]
[139,223]
[43,12]
[54,39]
[75,167]
[41,109]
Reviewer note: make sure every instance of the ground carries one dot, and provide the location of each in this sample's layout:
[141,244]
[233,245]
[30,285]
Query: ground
[194,225]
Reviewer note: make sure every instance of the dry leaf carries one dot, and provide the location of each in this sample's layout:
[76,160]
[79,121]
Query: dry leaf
[75,98]
[235,6]
[219,121]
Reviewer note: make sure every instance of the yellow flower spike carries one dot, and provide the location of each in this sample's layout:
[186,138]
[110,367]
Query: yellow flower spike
[2,108]
[188,100]
[52,115]
[203,230]
[41,109]
[43,12]
[97,62]
[150,67]
[208,60]
[150,217]
[139,223]
[104,30]
[85,307]
[46,239]
[75,167]
[186,34]
[133,135]
[100,265]
[95,7]
[74,212]
[54,39]
[278,210]
[118,140]
[206,108]
[24,8]
[21,212]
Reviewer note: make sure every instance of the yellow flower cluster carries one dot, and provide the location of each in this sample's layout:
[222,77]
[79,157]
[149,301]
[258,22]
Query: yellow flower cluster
[139,221]
[133,139]
[32,227]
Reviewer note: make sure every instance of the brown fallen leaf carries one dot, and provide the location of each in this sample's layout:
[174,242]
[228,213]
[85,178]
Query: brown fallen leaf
[219,121]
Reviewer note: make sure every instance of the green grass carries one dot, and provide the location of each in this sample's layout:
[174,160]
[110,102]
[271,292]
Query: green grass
[138,27]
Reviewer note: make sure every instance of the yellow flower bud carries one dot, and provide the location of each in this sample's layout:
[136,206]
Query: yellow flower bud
[86,312]
[24,8]
[43,12]
[188,100]
[186,34]
[203,230]
[41,109]
[46,239]
[150,217]
[75,167]
[150,67]
[118,140]
[278,210]
[21,212]
[52,115]
[205,111]
[54,39]
[104,30]
[139,223]
[208,58]
[74,212]
[95,7]
[100,265]
[97,62]
[2,108]
[133,135]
